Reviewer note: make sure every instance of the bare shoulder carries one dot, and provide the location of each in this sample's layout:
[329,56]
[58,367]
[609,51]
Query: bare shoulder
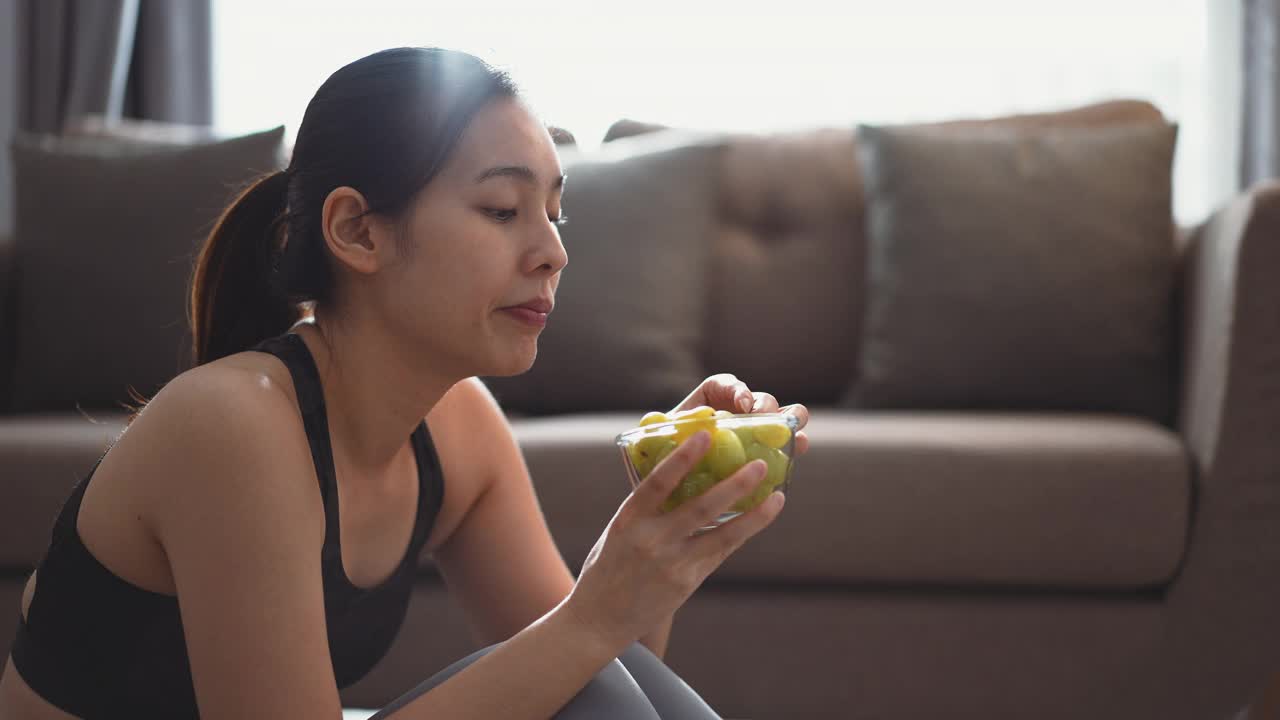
[233,504]
[228,428]
[466,424]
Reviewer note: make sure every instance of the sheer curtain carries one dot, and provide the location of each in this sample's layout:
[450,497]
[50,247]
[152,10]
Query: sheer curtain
[728,65]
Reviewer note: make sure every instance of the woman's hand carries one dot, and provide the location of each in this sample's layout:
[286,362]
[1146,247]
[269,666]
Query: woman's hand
[726,392]
[648,562]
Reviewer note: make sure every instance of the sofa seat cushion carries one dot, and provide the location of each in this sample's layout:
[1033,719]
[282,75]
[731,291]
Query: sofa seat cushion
[956,499]
[887,499]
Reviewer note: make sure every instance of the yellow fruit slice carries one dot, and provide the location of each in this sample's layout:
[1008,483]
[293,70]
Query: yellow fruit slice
[774,435]
[702,411]
[654,418]
[687,428]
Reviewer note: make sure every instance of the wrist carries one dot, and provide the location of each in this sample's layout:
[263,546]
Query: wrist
[600,635]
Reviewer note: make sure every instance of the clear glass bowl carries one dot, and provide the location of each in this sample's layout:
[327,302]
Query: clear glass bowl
[736,440]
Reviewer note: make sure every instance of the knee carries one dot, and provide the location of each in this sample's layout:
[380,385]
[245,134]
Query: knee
[612,693]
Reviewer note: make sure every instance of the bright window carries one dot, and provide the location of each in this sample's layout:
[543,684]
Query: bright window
[736,65]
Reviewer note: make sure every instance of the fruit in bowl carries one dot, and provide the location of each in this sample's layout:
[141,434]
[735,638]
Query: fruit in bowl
[735,441]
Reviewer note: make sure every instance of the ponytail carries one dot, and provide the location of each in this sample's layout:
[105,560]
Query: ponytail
[236,299]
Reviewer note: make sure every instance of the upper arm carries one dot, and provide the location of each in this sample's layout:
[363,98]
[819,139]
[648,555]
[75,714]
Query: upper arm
[500,561]
[241,524]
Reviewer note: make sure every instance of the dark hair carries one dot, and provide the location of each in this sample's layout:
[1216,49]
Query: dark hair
[384,125]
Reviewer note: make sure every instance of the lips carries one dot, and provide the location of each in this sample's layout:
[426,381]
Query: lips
[527,316]
[538,305]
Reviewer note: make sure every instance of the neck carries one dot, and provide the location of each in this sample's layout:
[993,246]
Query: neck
[374,394]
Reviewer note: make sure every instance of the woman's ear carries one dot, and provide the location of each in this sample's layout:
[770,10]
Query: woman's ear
[349,231]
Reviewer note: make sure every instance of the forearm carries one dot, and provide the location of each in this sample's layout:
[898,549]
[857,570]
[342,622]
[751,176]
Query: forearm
[531,675]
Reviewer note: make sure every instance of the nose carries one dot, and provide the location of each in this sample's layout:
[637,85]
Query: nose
[548,249]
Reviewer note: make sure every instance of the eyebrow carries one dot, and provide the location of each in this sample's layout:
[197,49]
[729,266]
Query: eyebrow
[519,172]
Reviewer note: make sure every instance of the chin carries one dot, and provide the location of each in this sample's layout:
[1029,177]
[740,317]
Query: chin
[509,364]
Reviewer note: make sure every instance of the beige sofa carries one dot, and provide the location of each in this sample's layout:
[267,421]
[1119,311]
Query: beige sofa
[928,564]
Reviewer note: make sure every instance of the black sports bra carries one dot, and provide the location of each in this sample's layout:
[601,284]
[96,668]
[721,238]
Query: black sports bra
[98,646]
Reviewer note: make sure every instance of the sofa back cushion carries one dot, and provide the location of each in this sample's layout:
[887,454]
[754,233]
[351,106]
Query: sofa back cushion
[788,266]
[1019,269]
[106,232]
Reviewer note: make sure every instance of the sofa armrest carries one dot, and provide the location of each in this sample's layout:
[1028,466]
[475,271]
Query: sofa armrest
[8,316]
[1230,395]
[1220,634]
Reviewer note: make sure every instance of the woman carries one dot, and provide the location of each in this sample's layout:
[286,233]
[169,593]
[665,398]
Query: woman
[342,310]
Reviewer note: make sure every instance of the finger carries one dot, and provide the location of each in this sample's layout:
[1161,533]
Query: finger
[802,443]
[654,489]
[699,511]
[727,538]
[800,411]
[718,391]
[764,403]
[726,392]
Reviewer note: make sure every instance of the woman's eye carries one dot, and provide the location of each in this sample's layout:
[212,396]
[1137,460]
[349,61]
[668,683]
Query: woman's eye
[507,215]
[502,215]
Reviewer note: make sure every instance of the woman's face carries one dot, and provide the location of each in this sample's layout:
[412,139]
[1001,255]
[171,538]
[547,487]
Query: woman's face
[482,236]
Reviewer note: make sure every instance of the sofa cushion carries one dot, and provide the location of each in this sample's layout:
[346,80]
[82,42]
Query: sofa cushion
[1040,500]
[1019,269]
[1035,500]
[786,283]
[789,252]
[631,303]
[107,231]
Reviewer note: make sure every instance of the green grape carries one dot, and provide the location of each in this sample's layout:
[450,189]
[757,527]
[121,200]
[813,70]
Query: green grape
[777,461]
[776,474]
[647,451]
[692,486]
[638,460]
[667,448]
[746,435]
[752,499]
[650,444]
[726,454]
[703,465]
[655,454]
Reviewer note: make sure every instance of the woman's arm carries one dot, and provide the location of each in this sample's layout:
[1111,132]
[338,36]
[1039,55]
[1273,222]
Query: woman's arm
[501,562]
[239,519]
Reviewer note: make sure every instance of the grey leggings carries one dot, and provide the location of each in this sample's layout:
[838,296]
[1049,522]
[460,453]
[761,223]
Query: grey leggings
[635,686]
